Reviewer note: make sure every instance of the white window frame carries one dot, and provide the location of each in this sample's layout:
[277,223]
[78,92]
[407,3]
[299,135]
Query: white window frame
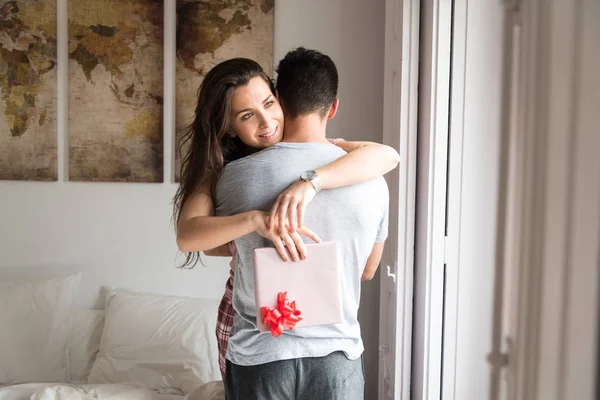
[432,246]
[400,131]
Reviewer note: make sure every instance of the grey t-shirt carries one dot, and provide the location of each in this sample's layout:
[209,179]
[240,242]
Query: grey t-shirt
[356,217]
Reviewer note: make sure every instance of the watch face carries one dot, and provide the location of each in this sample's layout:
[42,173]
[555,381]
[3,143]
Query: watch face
[308,175]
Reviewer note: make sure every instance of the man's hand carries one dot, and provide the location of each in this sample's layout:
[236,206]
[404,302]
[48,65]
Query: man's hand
[288,210]
[294,243]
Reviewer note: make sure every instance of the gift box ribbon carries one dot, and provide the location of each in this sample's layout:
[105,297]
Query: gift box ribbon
[285,314]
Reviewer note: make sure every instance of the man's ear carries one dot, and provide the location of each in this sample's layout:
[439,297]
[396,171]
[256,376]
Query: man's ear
[333,109]
[279,100]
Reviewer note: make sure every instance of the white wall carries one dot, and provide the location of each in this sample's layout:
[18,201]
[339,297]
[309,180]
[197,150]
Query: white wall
[120,234]
[115,233]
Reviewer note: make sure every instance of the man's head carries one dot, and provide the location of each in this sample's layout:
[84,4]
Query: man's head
[307,83]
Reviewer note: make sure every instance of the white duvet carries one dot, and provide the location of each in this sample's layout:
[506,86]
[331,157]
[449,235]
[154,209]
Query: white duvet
[123,391]
[63,391]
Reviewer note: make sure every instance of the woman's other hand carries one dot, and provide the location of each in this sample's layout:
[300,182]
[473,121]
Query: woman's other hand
[287,214]
[296,249]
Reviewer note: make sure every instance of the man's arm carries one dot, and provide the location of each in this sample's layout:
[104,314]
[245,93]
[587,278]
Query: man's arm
[373,262]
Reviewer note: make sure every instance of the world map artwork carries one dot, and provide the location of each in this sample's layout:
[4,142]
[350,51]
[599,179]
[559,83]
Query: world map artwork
[28,141]
[115,90]
[211,31]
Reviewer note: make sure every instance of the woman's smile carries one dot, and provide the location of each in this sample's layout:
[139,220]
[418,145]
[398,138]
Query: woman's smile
[269,134]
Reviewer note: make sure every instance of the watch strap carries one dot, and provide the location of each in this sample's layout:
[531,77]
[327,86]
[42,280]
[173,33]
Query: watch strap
[313,178]
[316,182]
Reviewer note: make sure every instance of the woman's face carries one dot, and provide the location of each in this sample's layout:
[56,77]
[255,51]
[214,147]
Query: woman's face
[257,118]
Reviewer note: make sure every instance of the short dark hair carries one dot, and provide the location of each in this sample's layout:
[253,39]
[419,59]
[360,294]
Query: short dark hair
[307,82]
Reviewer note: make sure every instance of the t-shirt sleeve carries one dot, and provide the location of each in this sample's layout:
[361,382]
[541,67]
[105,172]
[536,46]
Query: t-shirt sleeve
[382,233]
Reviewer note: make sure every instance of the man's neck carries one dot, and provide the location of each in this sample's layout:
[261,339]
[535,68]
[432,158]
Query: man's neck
[305,129]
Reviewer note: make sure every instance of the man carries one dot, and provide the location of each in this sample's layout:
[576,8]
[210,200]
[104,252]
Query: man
[322,362]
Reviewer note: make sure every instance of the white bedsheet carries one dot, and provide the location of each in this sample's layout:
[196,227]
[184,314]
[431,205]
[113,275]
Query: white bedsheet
[63,391]
[209,391]
[170,397]
[125,391]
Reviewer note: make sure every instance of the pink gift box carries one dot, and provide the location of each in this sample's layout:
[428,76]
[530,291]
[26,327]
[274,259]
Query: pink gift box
[314,284]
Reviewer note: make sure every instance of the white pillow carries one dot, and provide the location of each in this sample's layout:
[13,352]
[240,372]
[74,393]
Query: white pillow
[84,343]
[165,342]
[35,320]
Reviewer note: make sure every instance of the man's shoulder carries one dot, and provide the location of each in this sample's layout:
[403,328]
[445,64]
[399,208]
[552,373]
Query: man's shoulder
[378,190]
[284,151]
[250,159]
[380,182]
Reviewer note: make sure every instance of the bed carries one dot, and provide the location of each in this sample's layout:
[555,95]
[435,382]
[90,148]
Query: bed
[125,391]
[140,346]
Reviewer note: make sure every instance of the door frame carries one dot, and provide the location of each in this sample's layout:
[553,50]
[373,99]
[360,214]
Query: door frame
[401,80]
[432,184]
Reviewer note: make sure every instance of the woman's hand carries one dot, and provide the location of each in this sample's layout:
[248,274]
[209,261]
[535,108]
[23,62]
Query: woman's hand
[287,214]
[292,240]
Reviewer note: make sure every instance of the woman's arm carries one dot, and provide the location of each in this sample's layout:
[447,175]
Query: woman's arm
[365,161]
[199,230]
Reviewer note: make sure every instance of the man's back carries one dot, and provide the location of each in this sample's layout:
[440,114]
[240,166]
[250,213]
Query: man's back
[355,217]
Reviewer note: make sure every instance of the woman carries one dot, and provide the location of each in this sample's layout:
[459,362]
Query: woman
[224,130]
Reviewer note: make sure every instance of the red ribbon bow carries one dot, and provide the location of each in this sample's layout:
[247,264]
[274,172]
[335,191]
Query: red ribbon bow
[285,314]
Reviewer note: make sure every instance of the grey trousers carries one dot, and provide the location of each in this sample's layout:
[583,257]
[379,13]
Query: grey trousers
[332,377]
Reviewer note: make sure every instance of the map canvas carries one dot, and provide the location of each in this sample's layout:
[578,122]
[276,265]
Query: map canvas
[211,31]
[28,135]
[116,90]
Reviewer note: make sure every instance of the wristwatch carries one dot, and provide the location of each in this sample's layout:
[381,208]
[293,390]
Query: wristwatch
[313,178]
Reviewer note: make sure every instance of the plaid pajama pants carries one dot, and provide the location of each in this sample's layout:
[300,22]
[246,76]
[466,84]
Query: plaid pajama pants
[226,313]
[224,324]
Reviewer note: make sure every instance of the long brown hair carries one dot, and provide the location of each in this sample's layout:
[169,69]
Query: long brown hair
[209,140]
